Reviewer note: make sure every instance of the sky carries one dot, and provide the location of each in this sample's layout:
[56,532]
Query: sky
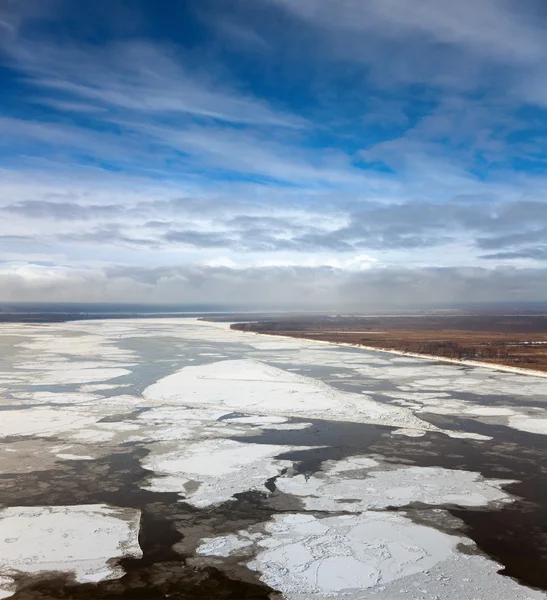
[320,154]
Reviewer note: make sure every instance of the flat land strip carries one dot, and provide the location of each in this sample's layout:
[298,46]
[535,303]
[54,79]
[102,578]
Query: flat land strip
[516,341]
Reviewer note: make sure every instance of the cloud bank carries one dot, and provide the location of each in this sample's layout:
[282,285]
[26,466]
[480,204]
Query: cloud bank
[275,288]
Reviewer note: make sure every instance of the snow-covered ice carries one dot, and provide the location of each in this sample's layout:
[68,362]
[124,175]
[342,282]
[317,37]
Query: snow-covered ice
[517,418]
[365,556]
[307,555]
[251,386]
[222,467]
[529,424]
[84,540]
[67,456]
[42,422]
[338,487]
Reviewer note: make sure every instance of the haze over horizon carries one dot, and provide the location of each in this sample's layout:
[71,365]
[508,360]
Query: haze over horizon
[303,154]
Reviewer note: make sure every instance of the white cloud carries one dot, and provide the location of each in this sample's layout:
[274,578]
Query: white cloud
[142,77]
[354,263]
[255,153]
[494,27]
[88,218]
[496,45]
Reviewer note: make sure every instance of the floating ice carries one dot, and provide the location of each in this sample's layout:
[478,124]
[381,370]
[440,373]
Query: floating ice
[224,546]
[372,555]
[222,467]
[339,488]
[304,556]
[42,422]
[529,424]
[83,540]
[250,386]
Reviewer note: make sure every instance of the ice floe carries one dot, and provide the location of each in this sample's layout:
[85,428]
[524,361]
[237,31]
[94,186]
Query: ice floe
[370,551]
[533,421]
[409,432]
[250,386]
[42,422]
[307,555]
[341,487]
[363,557]
[83,540]
[70,398]
[529,424]
[225,545]
[221,467]
[66,456]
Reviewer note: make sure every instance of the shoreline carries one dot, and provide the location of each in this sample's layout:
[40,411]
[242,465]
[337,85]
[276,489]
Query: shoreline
[430,357]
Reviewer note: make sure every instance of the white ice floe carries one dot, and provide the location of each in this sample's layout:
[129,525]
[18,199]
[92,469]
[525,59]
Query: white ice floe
[477,381]
[83,540]
[529,424]
[408,432]
[67,354]
[351,463]
[257,420]
[81,422]
[42,422]
[461,435]
[277,423]
[89,340]
[490,411]
[372,555]
[288,426]
[250,386]
[65,456]
[366,556]
[225,545]
[332,555]
[339,487]
[192,445]
[461,577]
[221,467]
[177,424]
[535,421]
[304,556]
[57,397]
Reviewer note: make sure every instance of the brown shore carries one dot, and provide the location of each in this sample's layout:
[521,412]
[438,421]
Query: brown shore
[517,342]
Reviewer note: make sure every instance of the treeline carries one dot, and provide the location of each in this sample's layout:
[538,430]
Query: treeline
[535,324]
[490,352]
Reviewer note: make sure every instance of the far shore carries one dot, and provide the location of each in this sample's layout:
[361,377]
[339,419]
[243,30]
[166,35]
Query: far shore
[429,357]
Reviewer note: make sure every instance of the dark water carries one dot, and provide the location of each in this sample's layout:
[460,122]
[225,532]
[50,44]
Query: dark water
[163,572]
[515,534]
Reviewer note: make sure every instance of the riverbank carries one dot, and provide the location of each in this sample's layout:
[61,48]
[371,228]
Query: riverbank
[429,357]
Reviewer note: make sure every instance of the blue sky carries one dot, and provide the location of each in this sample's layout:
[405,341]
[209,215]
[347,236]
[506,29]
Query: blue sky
[320,153]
